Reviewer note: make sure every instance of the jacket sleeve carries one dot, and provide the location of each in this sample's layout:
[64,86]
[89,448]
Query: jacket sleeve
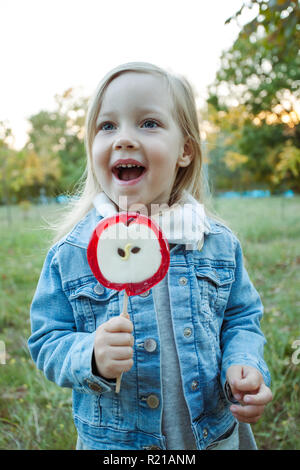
[242,341]
[62,353]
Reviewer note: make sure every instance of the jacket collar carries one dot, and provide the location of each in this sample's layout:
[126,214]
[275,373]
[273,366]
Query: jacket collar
[81,234]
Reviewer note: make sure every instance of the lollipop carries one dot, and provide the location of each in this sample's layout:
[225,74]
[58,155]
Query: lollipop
[128,251]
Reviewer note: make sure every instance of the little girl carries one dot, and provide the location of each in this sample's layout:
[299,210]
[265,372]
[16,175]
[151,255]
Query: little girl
[191,351]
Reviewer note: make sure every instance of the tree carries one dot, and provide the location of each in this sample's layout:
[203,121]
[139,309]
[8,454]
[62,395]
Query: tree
[229,166]
[6,155]
[261,69]
[58,136]
[261,73]
[24,172]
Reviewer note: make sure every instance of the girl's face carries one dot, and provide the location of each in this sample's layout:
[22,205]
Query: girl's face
[138,145]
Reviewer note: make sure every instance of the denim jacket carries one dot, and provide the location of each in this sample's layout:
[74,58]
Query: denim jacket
[215,312]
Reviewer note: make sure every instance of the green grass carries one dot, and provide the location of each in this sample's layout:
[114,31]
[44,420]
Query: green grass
[36,414]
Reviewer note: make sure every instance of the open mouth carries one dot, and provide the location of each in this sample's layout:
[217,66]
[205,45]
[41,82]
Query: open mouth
[128,171]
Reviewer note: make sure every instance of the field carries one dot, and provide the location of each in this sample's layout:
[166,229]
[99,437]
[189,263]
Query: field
[36,414]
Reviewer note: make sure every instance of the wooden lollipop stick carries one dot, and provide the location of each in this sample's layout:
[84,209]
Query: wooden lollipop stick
[123,314]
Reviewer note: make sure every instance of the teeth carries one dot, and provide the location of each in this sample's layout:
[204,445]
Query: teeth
[127,165]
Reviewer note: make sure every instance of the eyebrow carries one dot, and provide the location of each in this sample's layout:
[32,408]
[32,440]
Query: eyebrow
[140,110]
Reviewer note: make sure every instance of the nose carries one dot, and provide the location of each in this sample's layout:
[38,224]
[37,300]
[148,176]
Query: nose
[125,142]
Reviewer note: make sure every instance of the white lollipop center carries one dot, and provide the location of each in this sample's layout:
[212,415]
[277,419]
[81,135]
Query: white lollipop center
[128,254]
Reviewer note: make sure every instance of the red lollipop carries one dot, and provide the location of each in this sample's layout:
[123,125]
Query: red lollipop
[128,251]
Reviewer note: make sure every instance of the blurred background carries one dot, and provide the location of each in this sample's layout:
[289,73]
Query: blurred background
[242,58]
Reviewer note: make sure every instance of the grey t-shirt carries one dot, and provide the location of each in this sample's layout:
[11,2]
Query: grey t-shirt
[176,421]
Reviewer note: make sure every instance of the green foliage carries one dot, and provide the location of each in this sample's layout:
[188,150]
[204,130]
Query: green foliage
[53,159]
[264,60]
[25,172]
[61,133]
[260,75]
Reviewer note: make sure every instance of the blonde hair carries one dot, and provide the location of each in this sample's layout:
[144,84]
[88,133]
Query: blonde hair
[190,178]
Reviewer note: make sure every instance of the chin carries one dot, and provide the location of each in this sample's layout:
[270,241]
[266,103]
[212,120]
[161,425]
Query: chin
[137,204]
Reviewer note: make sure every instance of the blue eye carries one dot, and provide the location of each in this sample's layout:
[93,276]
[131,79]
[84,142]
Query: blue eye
[106,126]
[150,124]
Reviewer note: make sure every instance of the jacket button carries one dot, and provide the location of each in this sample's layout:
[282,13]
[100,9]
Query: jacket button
[145,294]
[183,281]
[98,289]
[194,385]
[200,244]
[205,433]
[150,344]
[152,401]
[152,448]
[93,386]
[187,332]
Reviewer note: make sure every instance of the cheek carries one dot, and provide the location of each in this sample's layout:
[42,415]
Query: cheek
[163,154]
[164,163]
[99,155]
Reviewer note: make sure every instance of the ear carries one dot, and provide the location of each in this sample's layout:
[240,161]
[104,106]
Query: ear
[187,154]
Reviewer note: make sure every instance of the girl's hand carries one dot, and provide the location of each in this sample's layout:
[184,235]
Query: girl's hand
[248,387]
[113,347]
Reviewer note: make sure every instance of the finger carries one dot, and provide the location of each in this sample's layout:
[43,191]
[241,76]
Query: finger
[263,396]
[234,373]
[119,323]
[120,339]
[116,368]
[250,382]
[242,419]
[117,353]
[249,411]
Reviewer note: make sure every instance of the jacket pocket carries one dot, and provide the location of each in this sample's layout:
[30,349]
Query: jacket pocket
[228,441]
[93,304]
[214,284]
